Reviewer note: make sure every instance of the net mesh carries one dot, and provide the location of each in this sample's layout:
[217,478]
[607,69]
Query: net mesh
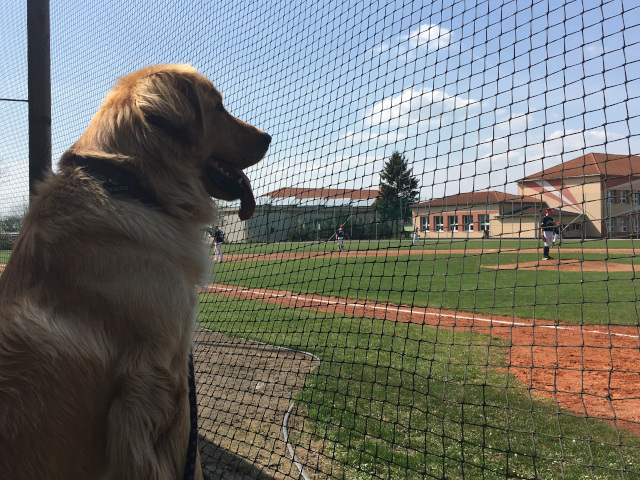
[388,311]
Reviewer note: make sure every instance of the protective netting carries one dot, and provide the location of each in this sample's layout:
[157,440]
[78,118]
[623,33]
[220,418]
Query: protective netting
[428,337]
[14,143]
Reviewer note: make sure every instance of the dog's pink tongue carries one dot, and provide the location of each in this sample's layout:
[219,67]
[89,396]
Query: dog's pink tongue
[247,201]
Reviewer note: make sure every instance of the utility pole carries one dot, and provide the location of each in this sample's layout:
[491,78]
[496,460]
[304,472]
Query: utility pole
[39,90]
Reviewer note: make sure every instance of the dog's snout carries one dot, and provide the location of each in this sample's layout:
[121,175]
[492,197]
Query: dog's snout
[267,138]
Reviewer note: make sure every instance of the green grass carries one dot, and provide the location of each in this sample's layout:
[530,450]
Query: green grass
[401,401]
[455,282]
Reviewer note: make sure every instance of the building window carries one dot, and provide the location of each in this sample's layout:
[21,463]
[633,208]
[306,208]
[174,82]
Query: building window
[424,224]
[611,197]
[467,221]
[636,225]
[635,198]
[623,225]
[483,221]
[611,225]
[453,223]
[577,227]
[438,222]
[623,197]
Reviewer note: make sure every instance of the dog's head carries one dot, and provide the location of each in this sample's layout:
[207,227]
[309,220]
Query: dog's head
[168,125]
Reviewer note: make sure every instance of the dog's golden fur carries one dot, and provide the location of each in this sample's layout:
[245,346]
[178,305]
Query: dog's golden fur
[98,299]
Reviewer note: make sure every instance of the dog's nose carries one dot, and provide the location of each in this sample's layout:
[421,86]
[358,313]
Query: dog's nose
[267,138]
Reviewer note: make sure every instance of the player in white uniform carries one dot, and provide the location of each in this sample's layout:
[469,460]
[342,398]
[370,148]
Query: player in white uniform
[416,237]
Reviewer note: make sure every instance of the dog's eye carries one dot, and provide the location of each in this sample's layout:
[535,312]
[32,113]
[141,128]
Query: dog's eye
[220,107]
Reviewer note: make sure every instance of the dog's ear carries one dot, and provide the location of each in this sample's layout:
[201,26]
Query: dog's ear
[170,105]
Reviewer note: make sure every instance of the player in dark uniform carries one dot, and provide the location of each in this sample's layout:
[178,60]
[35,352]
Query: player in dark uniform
[547,227]
[218,238]
[340,234]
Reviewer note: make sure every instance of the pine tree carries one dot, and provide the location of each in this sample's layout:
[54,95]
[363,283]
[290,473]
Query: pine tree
[398,190]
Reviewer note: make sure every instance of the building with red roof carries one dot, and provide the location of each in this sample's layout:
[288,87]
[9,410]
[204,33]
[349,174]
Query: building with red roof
[597,194]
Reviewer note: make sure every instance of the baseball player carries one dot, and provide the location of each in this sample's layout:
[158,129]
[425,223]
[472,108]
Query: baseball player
[416,237]
[340,234]
[218,238]
[546,228]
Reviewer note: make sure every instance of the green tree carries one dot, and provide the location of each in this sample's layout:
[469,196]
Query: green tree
[398,191]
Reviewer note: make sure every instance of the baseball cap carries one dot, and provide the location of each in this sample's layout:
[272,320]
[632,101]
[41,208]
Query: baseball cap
[341,226]
[549,210]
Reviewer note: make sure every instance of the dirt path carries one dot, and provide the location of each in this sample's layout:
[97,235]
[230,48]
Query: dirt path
[244,390]
[590,370]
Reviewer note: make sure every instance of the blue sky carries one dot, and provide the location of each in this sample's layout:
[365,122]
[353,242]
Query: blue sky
[475,94]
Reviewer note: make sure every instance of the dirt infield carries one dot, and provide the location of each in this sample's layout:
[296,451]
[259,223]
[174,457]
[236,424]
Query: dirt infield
[590,370]
[569,265]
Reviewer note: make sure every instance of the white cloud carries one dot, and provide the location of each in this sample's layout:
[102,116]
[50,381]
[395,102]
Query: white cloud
[428,37]
[432,37]
[423,106]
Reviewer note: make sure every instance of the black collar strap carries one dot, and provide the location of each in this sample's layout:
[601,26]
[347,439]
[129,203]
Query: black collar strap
[192,449]
[114,179]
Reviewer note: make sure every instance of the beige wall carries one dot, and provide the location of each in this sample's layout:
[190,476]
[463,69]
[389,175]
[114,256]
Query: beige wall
[431,212]
[573,195]
[625,216]
[515,227]
[233,228]
[528,226]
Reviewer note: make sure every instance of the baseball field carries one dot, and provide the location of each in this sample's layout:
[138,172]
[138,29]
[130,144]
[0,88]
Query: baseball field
[467,359]
[389,360]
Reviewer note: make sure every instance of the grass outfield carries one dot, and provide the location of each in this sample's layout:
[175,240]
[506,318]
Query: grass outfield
[403,401]
[455,282]
[451,282]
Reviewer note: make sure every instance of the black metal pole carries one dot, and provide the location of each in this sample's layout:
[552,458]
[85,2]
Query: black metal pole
[39,87]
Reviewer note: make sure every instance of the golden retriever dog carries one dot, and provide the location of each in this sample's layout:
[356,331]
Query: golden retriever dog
[98,300]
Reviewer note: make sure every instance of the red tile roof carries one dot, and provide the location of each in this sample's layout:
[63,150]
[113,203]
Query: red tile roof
[476,198]
[600,164]
[327,193]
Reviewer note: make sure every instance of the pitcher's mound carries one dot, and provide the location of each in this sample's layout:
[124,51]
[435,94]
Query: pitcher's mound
[569,265]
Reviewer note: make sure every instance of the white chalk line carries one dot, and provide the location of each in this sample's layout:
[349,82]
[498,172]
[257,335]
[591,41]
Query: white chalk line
[412,311]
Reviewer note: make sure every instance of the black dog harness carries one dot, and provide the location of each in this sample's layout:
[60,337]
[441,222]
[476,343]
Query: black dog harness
[192,451]
[115,180]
